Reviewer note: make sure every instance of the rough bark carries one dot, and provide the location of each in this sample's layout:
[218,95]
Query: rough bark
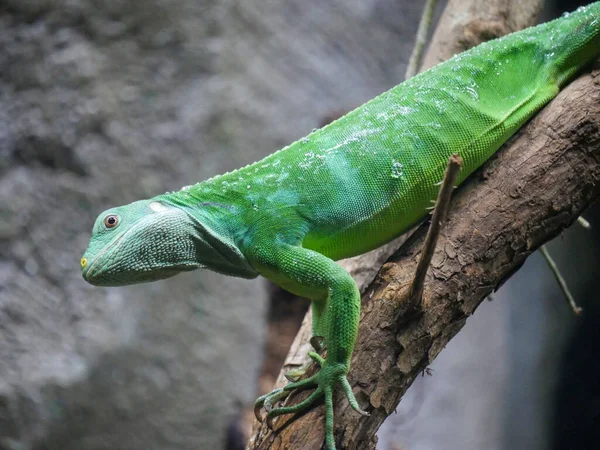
[467,23]
[536,186]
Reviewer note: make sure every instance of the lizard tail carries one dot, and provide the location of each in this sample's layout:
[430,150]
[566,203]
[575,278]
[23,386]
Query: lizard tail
[574,39]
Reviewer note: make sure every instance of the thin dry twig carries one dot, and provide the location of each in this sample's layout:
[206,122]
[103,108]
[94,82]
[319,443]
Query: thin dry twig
[440,212]
[584,223]
[421,39]
[561,281]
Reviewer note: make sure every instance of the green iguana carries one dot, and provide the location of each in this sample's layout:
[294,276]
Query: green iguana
[344,189]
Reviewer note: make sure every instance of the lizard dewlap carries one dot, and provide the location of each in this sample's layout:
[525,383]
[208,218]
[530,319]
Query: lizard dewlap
[344,189]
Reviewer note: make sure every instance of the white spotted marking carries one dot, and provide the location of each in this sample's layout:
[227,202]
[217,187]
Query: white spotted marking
[158,207]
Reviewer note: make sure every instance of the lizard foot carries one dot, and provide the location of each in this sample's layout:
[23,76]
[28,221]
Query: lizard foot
[324,382]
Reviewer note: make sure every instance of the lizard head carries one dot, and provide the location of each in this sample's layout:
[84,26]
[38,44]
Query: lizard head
[144,241]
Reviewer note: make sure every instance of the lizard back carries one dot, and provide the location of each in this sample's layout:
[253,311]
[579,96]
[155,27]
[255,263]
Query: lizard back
[369,176]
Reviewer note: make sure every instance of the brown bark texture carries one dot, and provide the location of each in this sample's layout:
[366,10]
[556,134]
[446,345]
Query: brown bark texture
[467,23]
[531,190]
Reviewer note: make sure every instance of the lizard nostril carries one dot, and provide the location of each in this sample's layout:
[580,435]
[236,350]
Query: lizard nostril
[83,262]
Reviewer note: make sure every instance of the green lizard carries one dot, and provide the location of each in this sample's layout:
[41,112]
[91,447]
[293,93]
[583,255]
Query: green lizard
[344,189]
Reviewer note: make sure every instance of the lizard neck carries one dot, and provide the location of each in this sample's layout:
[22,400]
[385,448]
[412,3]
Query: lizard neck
[217,228]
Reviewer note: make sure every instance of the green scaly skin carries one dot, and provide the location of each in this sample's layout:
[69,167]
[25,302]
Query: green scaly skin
[344,189]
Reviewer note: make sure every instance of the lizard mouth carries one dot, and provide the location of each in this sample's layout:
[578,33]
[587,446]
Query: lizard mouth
[91,271]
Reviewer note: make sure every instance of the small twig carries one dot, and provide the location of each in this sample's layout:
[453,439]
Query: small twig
[420,40]
[561,281]
[584,223]
[440,212]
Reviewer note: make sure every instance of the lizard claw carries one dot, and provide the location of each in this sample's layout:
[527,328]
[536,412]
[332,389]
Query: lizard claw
[257,413]
[295,374]
[351,398]
[267,401]
[270,422]
[318,343]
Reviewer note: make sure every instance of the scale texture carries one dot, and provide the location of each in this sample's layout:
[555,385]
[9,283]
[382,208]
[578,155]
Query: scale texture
[344,189]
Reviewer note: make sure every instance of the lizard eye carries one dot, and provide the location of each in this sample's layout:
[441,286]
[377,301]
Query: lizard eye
[111,221]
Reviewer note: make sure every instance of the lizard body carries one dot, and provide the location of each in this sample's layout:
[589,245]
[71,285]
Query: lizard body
[346,188]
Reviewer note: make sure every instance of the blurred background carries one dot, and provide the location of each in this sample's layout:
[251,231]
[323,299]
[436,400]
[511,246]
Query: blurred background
[103,102]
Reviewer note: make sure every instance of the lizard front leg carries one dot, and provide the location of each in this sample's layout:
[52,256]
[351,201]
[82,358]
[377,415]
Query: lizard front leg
[336,309]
